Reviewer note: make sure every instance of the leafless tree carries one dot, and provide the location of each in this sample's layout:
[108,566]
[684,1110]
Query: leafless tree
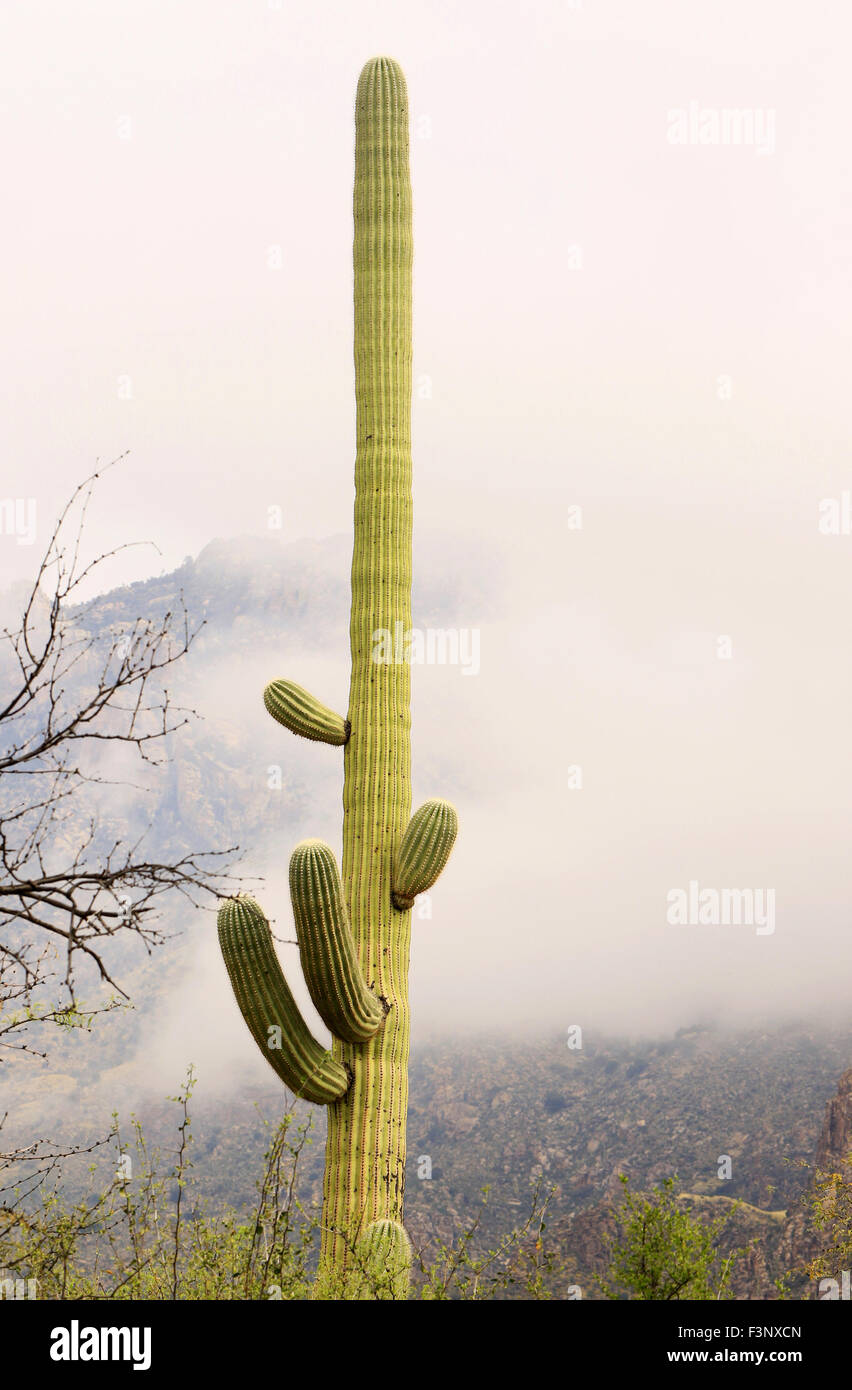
[72,692]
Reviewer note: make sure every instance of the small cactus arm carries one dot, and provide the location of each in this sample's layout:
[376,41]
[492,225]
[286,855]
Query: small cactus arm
[423,851]
[299,712]
[383,1255]
[354,928]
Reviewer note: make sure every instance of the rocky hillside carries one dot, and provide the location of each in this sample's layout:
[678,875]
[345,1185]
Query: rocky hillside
[514,1115]
[775,1244]
[506,1113]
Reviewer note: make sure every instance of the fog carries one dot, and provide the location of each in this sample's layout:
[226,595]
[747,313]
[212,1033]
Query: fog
[631,386]
[604,756]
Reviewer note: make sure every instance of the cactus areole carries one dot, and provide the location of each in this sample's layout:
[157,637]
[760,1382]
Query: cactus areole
[354,928]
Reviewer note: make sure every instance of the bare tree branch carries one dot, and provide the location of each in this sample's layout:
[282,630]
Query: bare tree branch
[74,695]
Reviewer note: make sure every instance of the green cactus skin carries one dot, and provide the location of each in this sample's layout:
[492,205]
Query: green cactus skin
[265,1001]
[365,1082]
[366,1149]
[383,1255]
[424,850]
[332,973]
[302,714]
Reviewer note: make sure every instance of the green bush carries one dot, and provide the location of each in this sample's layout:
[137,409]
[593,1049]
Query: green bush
[661,1252]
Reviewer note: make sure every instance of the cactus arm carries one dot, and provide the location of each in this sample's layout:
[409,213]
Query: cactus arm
[304,715]
[329,963]
[383,1255]
[265,1001]
[423,851]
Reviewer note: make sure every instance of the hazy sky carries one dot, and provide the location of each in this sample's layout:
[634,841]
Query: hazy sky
[656,333]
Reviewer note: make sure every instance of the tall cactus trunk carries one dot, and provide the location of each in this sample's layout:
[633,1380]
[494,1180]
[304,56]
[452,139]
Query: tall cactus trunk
[365,1153]
[354,933]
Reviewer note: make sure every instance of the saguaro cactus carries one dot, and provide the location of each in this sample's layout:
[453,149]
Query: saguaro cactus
[354,933]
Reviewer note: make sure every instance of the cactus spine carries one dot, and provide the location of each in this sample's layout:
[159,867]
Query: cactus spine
[354,936]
